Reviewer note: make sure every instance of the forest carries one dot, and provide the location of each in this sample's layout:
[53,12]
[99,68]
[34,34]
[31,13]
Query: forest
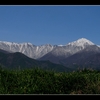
[40,81]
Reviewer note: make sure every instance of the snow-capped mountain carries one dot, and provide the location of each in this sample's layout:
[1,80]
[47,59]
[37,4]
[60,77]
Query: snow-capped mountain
[78,45]
[62,52]
[81,52]
[81,42]
[37,52]
[28,49]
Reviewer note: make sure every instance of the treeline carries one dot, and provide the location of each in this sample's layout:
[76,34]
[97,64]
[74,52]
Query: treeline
[39,81]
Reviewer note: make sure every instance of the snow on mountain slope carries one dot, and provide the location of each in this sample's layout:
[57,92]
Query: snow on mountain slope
[43,49]
[28,49]
[61,52]
[78,45]
[71,47]
[98,46]
[81,42]
[37,52]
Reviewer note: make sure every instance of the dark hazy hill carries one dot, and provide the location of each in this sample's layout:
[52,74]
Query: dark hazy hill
[4,51]
[19,60]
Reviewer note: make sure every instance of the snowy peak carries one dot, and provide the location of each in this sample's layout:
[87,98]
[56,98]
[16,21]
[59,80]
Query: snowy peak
[7,43]
[81,42]
[84,40]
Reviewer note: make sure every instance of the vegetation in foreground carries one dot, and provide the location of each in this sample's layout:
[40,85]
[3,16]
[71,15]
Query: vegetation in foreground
[39,81]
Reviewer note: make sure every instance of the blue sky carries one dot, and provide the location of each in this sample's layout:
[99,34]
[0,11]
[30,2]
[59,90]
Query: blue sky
[49,24]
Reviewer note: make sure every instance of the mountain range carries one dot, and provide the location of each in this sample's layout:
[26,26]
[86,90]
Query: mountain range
[77,54]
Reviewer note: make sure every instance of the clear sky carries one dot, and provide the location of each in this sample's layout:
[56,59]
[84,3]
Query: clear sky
[49,24]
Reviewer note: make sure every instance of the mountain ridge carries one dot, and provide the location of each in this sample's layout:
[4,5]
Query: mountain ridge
[36,52]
